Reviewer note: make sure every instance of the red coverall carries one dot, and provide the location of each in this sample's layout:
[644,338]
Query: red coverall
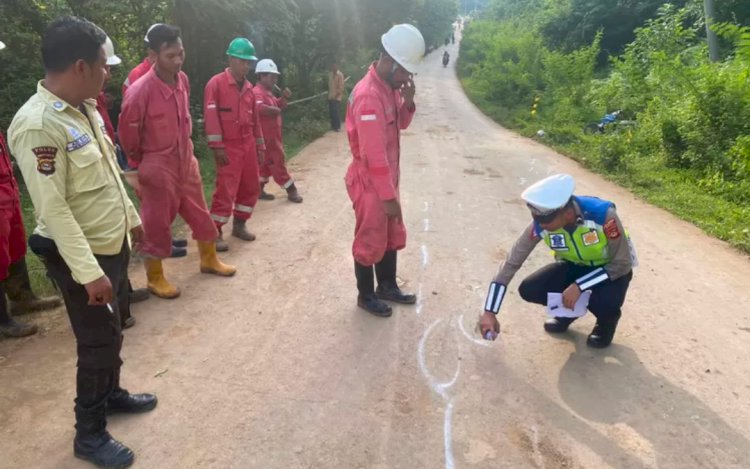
[139,71]
[376,115]
[155,129]
[275,162]
[12,233]
[101,106]
[232,123]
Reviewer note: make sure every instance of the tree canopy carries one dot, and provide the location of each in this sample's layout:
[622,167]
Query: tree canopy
[302,36]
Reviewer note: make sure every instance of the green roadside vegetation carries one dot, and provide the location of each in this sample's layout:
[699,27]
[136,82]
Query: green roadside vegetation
[682,141]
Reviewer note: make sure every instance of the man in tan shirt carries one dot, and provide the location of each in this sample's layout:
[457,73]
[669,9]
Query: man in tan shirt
[335,95]
[84,217]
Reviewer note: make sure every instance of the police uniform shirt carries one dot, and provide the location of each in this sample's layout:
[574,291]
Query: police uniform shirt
[620,260]
[72,176]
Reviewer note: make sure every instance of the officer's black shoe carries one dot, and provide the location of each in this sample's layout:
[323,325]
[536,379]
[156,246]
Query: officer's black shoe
[102,450]
[373,305]
[557,325]
[123,402]
[179,242]
[602,334]
[178,252]
[394,293]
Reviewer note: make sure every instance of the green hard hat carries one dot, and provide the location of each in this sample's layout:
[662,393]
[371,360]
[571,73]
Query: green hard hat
[242,49]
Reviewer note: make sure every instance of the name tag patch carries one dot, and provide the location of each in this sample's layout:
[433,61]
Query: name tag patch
[557,242]
[80,142]
[590,238]
[45,159]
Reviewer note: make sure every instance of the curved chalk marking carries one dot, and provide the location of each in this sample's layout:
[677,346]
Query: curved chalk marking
[466,334]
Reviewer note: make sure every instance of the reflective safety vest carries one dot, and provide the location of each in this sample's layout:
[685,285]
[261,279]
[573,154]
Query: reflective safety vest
[588,243]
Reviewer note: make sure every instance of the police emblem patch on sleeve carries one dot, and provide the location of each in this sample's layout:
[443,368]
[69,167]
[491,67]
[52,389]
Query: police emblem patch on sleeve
[45,159]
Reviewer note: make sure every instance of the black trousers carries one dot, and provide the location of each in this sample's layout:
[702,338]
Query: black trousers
[98,332]
[334,107]
[606,300]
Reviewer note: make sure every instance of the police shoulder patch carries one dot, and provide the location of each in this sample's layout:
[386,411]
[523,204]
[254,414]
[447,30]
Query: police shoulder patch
[45,159]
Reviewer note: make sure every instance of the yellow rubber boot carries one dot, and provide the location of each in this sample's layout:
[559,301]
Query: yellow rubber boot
[210,263]
[157,283]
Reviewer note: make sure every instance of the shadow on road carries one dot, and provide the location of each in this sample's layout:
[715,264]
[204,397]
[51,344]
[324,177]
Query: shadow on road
[613,386]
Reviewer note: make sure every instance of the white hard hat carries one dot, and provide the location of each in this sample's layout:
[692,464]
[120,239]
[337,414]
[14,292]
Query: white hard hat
[405,44]
[549,195]
[109,50]
[149,30]
[2,45]
[267,66]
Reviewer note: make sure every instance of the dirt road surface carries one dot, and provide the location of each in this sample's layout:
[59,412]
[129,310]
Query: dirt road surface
[277,368]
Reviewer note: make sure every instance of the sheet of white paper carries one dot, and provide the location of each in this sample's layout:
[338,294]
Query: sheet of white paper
[556,309]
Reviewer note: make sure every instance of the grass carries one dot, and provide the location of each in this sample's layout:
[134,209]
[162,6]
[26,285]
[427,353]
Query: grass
[674,190]
[302,125]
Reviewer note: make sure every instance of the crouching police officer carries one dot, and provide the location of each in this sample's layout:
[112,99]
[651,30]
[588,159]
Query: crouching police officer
[83,220]
[592,252]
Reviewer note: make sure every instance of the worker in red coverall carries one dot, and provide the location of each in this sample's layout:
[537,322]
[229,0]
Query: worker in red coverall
[12,241]
[270,108]
[14,275]
[380,106]
[142,68]
[234,133]
[155,129]
[178,245]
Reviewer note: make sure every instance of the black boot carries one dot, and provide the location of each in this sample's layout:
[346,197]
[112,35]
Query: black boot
[293,194]
[9,326]
[179,242]
[557,325]
[604,332]
[22,298]
[92,441]
[387,286]
[121,401]
[367,299]
[265,195]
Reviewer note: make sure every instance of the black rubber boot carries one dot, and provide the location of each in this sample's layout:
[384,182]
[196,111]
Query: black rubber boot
[179,242]
[9,326]
[557,325]
[137,295]
[293,194]
[367,299]
[265,195]
[178,252]
[92,441]
[22,298]
[603,333]
[388,289]
[122,402]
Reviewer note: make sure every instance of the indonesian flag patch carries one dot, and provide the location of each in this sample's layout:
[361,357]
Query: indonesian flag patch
[611,229]
[368,116]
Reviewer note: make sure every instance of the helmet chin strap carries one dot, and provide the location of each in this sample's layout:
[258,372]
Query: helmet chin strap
[392,74]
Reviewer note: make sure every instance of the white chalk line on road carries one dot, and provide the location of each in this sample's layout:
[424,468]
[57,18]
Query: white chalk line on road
[440,389]
[466,334]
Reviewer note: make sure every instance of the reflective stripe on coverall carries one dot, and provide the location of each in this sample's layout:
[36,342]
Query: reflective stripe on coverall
[232,123]
[376,115]
[275,162]
[155,129]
